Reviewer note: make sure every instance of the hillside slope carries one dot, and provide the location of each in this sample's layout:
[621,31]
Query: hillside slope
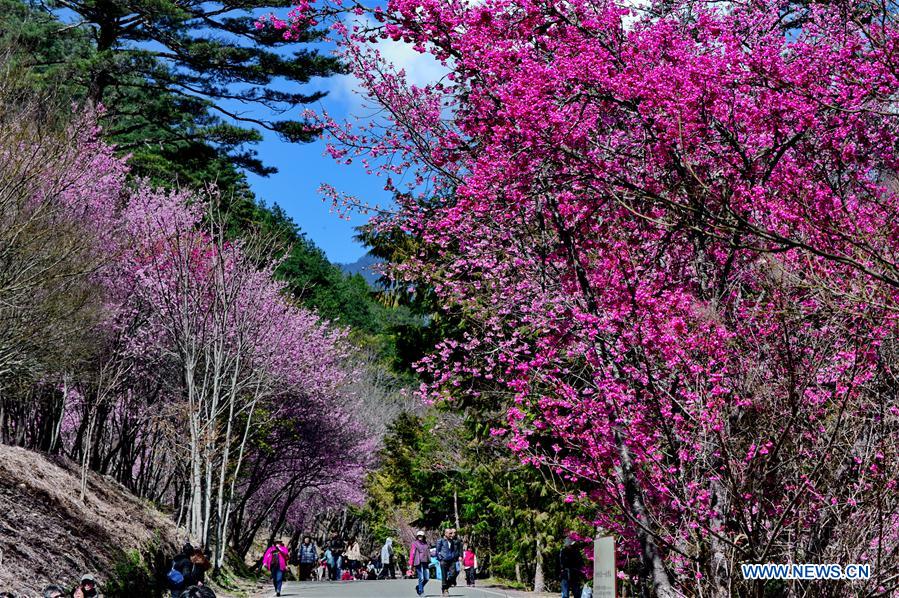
[47,535]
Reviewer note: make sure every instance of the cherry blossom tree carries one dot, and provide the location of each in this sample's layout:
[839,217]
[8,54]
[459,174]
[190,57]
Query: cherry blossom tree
[59,188]
[672,233]
[238,346]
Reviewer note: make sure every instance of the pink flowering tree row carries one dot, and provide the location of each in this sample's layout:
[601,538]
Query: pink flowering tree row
[245,357]
[199,384]
[671,230]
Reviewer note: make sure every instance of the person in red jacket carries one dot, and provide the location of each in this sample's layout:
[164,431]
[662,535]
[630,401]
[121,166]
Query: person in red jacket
[419,560]
[275,560]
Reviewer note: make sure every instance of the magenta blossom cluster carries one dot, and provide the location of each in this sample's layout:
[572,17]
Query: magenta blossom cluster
[672,233]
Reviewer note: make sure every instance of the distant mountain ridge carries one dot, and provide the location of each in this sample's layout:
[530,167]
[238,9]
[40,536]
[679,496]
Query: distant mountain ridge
[364,266]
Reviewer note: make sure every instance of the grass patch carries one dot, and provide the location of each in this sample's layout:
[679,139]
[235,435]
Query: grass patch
[506,583]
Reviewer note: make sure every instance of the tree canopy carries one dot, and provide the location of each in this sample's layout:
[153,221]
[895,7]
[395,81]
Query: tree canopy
[669,230]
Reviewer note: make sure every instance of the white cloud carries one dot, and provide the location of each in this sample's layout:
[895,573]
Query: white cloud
[420,69]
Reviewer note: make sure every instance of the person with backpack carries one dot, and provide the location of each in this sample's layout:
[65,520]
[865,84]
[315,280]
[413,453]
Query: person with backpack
[275,560]
[420,560]
[307,555]
[449,553]
[180,575]
[470,562]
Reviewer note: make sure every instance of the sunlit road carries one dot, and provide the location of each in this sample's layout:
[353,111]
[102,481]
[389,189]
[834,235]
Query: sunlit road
[377,589]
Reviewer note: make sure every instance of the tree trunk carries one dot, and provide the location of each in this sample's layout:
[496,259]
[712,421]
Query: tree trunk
[652,560]
[539,583]
[720,567]
[86,453]
[224,523]
[57,423]
[456,507]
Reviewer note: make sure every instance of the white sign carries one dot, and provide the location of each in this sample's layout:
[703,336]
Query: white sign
[604,573]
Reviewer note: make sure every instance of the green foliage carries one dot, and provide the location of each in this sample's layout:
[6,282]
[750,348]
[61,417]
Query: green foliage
[174,73]
[131,576]
[446,459]
[35,45]
[438,461]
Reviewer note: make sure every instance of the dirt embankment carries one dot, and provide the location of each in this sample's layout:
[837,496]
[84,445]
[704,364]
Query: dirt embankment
[47,535]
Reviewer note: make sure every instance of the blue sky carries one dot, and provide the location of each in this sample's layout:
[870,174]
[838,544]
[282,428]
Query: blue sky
[301,169]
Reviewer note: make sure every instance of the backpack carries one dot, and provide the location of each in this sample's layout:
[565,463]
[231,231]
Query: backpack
[275,564]
[176,578]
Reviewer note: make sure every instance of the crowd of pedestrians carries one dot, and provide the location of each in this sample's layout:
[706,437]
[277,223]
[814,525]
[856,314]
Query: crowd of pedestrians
[446,560]
[340,560]
[337,559]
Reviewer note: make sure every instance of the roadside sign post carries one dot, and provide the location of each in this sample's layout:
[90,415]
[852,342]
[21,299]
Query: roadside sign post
[604,573]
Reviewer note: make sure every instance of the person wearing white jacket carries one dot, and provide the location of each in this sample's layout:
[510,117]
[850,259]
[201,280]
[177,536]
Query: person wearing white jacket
[387,560]
[354,556]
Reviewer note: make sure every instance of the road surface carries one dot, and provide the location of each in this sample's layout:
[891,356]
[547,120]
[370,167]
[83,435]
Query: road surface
[377,589]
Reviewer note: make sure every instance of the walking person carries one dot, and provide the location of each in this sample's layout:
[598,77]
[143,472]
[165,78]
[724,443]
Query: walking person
[275,560]
[337,547]
[571,564]
[308,557]
[470,562]
[330,567]
[449,553]
[419,561]
[388,562]
[438,574]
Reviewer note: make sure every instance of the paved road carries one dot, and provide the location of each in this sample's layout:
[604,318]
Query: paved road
[377,589]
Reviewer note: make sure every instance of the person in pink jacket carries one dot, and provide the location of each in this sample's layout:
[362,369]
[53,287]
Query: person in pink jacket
[275,560]
[419,559]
